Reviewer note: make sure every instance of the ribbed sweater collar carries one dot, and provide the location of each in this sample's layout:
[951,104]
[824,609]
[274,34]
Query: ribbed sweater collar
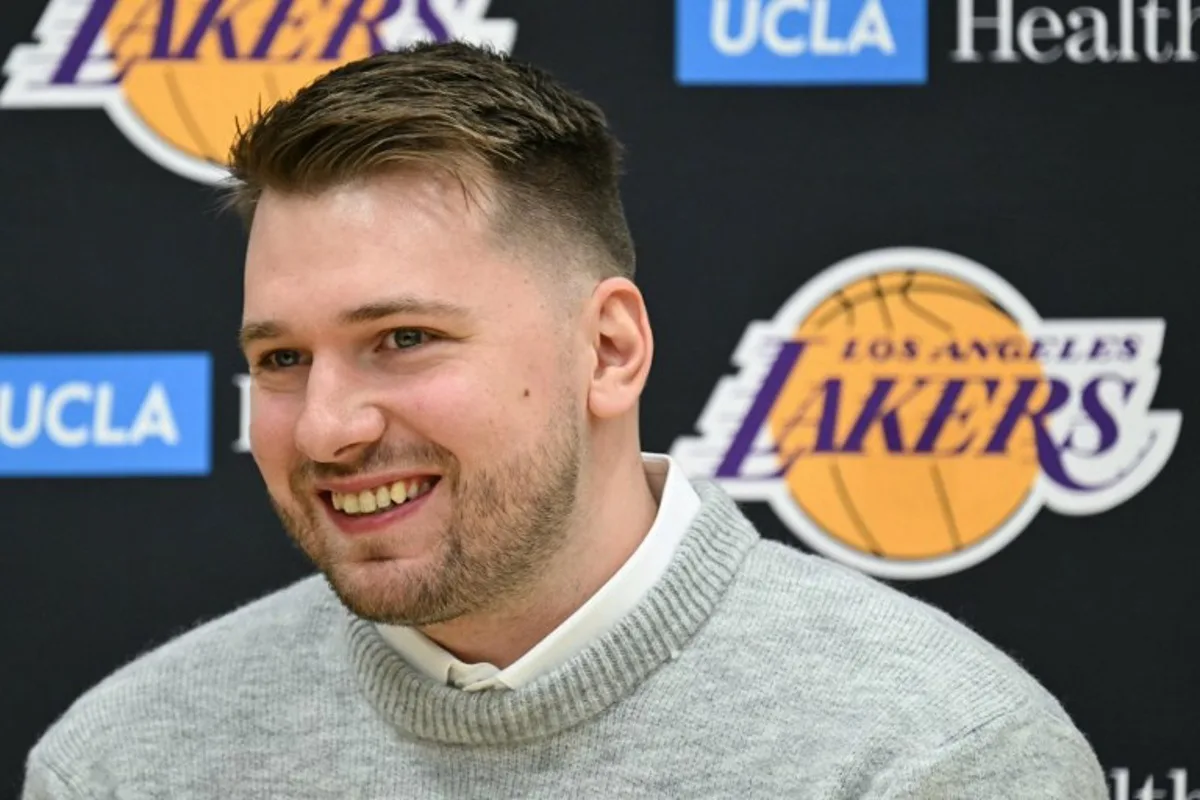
[609,670]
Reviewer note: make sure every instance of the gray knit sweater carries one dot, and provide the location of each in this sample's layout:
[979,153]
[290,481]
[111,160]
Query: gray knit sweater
[750,671]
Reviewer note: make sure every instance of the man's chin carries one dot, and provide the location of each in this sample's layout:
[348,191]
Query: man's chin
[388,591]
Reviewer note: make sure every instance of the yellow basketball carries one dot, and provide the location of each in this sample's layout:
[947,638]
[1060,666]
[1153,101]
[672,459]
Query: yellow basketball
[193,103]
[907,328]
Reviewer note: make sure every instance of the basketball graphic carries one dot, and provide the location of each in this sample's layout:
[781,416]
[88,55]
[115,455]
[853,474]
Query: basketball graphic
[177,76]
[192,101]
[908,412]
[897,498]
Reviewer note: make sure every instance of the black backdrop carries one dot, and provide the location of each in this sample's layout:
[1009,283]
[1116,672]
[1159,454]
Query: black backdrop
[1076,183]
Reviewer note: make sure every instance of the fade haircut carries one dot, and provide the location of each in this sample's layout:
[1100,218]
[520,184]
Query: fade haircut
[538,158]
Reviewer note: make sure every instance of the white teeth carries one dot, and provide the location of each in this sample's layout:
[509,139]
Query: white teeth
[370,500]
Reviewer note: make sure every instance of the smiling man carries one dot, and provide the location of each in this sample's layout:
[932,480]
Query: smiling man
[448,350]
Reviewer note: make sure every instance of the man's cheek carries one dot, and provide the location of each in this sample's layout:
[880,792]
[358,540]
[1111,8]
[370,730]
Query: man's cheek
[452,410]
[272,444]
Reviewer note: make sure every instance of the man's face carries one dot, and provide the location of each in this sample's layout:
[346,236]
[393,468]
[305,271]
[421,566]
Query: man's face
[403,362]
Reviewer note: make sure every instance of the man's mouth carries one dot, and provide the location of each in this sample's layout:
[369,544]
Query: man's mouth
[383,497]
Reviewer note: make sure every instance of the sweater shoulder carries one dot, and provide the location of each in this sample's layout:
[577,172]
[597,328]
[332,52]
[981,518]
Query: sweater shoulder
[283,618]
[846,630]
[198,676]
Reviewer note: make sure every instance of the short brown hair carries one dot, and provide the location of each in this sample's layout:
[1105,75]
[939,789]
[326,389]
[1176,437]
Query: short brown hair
[487,120]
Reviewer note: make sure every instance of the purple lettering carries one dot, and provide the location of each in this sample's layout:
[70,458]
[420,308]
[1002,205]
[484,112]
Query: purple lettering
[1100,351]
[945,411]
[829,395]
[354,16]
[1019,407]
[275,22]
[1107,427]
[81,45]
[1009,349]
[160,48]
[1038,351]
[1106,424]
[768,393]
[432,21]
[1130,347]
[205,22]
[951,350]
[873,411]
[1067,351]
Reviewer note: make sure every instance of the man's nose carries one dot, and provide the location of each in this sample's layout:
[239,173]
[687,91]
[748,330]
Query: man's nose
[339,419]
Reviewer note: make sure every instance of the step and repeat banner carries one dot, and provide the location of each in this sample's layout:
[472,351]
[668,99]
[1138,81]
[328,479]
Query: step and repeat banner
[922,275]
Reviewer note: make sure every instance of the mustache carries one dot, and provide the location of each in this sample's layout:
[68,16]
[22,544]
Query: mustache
[377,458]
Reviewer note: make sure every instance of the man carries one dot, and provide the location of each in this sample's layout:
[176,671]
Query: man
[447,353]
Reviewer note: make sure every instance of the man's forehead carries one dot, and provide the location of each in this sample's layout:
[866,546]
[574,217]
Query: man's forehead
[391,245]
[380,198]
[399,227]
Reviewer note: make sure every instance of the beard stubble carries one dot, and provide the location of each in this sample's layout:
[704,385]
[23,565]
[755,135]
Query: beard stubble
[506,524]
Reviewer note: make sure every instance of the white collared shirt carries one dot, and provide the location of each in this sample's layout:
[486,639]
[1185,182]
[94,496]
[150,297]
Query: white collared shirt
[678,504]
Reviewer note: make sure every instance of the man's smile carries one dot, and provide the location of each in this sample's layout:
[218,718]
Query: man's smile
[371,508]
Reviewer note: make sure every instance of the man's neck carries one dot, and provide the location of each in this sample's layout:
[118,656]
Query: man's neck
[611,520]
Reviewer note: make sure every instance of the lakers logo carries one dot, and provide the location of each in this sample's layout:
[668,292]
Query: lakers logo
[909,413]
[176,75]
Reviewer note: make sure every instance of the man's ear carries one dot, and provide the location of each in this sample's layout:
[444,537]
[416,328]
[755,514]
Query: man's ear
[623,347]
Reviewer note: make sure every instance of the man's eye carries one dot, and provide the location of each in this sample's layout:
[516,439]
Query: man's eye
[280,359]
[406,338]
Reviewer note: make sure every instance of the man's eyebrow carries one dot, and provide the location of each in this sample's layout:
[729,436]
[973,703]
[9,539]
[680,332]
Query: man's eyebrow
[401,305]
[256,331]
[252,332]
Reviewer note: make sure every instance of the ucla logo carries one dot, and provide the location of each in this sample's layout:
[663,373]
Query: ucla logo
[175,75]
[909,413]
[110,414]
[801,41]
